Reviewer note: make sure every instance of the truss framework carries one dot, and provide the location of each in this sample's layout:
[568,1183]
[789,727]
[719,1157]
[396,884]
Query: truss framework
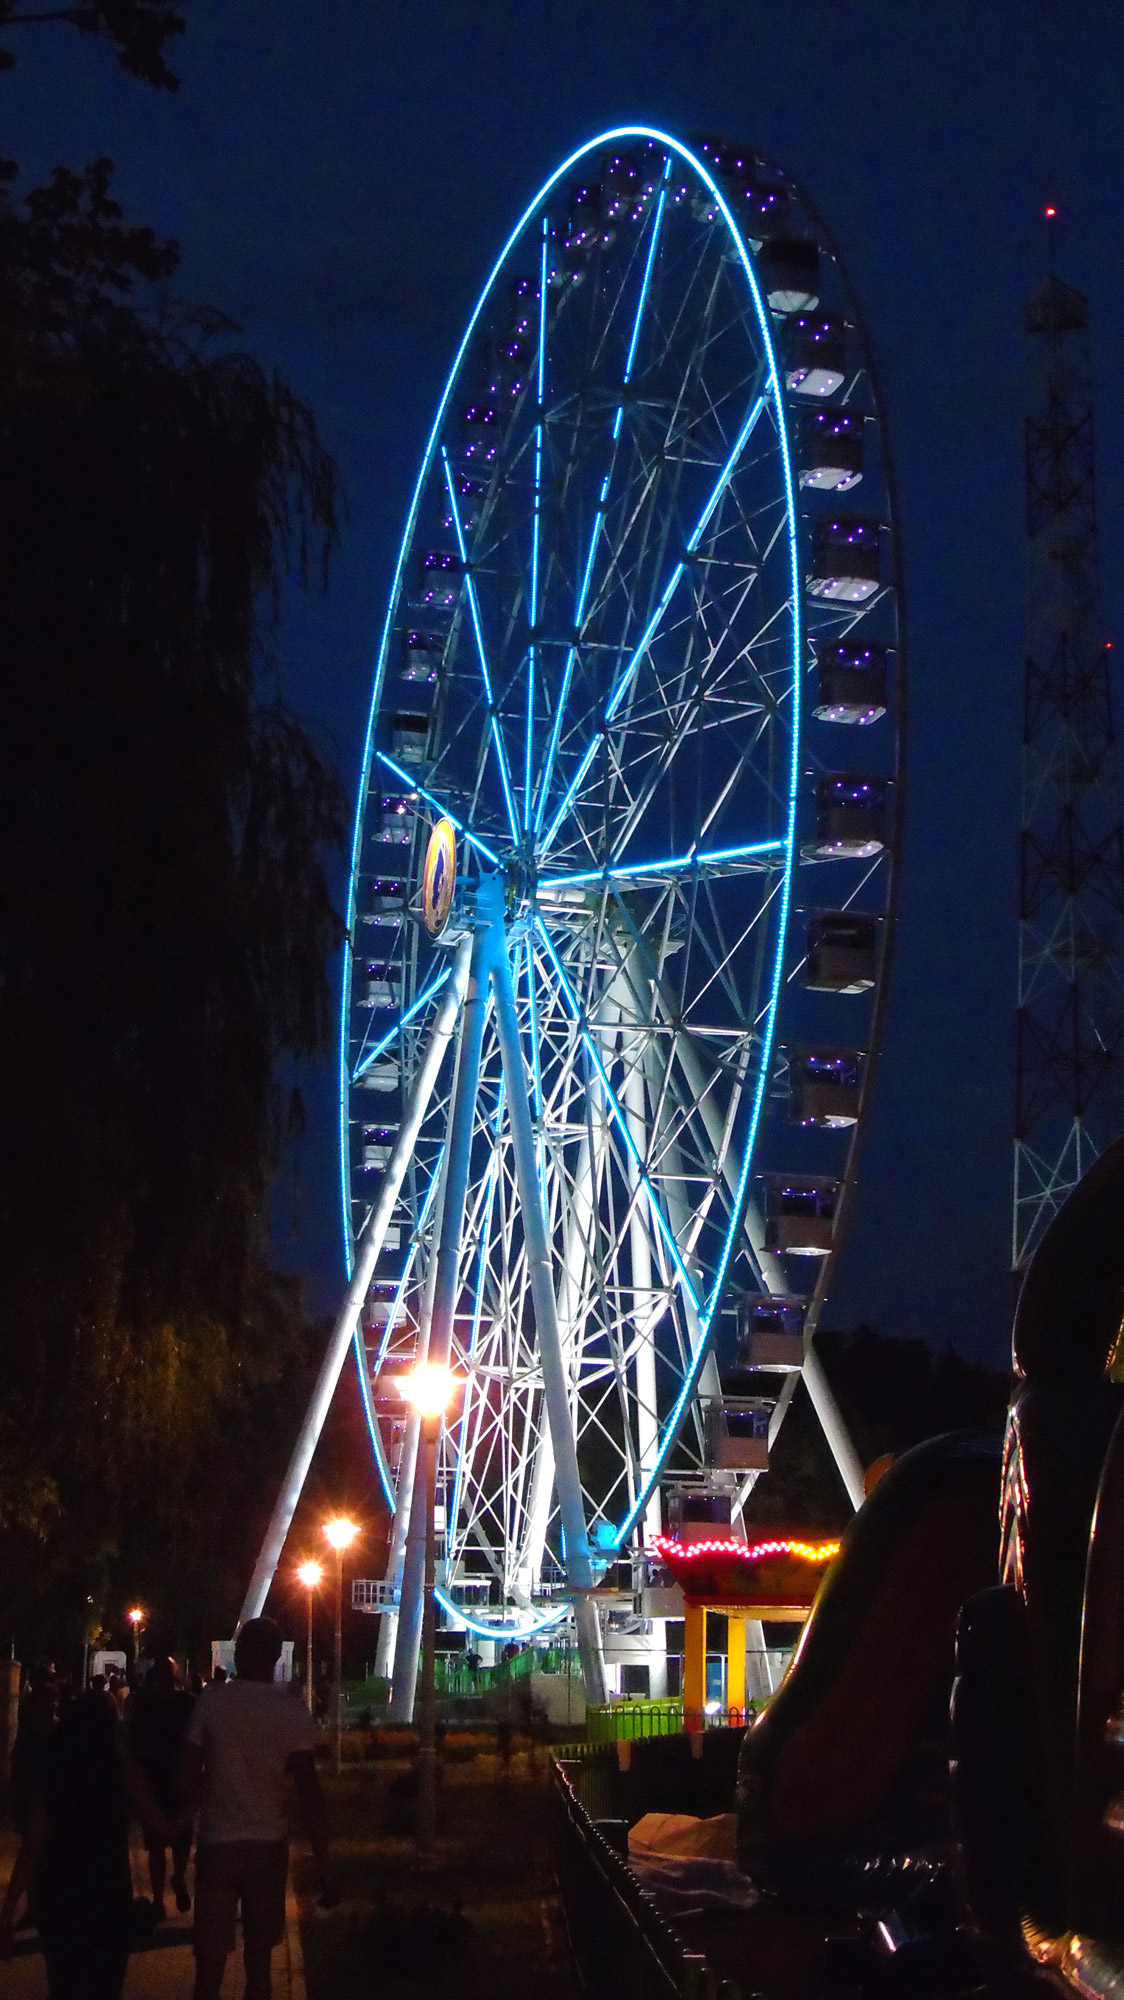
[1070,1021]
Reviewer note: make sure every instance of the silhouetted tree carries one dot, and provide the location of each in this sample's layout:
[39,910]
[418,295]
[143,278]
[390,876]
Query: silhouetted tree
[139,30]
[164,915]
[893,1393]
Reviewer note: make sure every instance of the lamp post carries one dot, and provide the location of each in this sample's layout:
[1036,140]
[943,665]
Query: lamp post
[340,1533]
[430,1391]
[136,1620]
[311,1576]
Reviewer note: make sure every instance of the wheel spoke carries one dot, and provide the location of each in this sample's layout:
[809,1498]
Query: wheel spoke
[478,633]
[624,679]
[633,871]
[381,1046]
[536,530]
[442,807]
[599,512]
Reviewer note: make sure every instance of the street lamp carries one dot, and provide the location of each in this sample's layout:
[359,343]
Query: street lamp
[340,1533]
[136,1620]
[311,1576]
[430,1390]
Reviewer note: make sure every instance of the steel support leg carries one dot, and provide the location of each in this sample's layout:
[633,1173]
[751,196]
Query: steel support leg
[567,1479]
[437,1337]
[694,1668]
[834,1429]
[772,1272]
[366,1256]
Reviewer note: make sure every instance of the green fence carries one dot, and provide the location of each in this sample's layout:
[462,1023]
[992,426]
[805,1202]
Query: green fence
[456,1677]
[631,1721]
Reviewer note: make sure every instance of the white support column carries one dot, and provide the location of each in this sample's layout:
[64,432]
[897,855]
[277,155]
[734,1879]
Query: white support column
[437,1336]
[567,1479]
[579,1227]
[366,1256]
[834,1428]
[411,1453]
[634,1100]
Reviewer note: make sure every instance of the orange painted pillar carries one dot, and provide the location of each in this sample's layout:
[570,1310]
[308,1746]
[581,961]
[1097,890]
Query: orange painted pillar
[735,1662]
[694,1665]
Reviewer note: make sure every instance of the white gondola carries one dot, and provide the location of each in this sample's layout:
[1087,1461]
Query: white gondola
[850,818]
[851,681]
[842,952]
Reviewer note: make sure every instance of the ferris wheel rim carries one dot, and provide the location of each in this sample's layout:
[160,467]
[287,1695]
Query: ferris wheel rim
[518,1628]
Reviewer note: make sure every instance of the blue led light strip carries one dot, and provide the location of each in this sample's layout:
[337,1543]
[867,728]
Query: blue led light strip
[474,614]
[438,807]
[533,609]
[536,1066]
[373,1055]
[625,678]
[642,301]
[379,1455]
[619,1119]
[599,515]
[527,1631]
[671,865]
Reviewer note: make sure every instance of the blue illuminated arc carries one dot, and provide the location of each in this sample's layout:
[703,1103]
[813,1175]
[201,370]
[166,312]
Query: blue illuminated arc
[616,135]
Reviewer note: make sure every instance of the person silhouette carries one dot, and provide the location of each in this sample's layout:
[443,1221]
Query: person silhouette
[241,1743]
[157,1716]
[74,1857]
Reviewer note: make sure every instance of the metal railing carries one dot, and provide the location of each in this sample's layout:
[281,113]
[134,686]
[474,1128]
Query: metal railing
[636,1720]
[456,1677]
[624,1948]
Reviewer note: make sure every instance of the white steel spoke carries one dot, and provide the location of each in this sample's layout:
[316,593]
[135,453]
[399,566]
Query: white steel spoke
[485,674]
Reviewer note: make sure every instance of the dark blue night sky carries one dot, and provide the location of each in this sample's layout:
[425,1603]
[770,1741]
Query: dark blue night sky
[339,178]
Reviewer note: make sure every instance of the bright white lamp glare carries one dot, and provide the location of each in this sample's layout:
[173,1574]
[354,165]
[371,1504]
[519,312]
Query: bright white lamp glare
[310,1574]
[136,1616]
[429,1390]
[340,1532]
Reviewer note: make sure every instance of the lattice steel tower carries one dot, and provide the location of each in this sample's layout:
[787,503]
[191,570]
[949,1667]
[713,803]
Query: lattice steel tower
[1070,1052]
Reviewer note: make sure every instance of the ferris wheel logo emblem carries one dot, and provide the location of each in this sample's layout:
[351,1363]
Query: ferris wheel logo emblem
[439,877]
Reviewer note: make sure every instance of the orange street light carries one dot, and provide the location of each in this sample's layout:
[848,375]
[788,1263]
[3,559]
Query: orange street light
[311,1575]
[430,1390]
[340,1533]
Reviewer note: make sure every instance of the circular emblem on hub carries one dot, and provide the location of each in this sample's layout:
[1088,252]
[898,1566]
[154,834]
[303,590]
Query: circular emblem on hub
[439,877]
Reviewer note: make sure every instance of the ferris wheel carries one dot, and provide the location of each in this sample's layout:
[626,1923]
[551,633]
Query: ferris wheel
[622,880]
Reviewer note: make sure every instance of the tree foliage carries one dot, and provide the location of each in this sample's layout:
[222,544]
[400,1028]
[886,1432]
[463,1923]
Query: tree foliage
[139,31]
[893,1394]
[165,921]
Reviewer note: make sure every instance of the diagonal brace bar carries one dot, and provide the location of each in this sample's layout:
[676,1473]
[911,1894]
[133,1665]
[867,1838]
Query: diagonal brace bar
[366,1256]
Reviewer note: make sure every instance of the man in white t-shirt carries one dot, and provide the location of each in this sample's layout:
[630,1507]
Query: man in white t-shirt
[243,1741]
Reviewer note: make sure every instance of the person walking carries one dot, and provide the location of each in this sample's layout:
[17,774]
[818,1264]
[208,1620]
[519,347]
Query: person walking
[156,1719]
[241,1743]
[74,1858]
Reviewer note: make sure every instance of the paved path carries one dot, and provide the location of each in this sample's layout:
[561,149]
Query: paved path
[164,1967]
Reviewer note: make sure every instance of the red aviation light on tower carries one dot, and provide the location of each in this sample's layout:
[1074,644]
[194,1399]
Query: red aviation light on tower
[1050,213]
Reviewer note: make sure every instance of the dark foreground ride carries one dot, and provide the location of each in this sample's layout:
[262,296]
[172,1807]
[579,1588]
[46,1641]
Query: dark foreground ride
[933,1801]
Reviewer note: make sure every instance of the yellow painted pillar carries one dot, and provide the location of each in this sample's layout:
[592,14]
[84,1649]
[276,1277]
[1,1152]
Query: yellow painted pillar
[735,1661]
[694,1665]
